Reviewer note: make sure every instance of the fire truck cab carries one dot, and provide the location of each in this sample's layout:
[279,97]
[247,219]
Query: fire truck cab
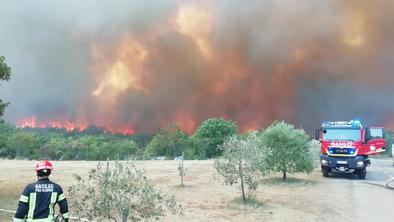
[347,145]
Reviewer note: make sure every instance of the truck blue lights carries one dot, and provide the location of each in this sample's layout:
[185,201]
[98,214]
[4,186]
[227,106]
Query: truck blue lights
[341,151]
[342,124]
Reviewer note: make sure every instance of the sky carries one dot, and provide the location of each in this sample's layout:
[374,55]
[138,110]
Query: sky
[136,66]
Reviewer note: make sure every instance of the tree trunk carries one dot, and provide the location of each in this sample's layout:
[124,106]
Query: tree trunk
[284,175]
[243,190]
[242,181]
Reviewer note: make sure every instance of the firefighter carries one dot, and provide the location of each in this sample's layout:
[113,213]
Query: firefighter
[39,199]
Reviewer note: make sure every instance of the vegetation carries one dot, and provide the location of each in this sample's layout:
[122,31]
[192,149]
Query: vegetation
[389,142]
[95,143]
[19,144]
[5,74]
[169,142]
[213,132]
[279,148]
[289,150]
[240,163]
[119,192]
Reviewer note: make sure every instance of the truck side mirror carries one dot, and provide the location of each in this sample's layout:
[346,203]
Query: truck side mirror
[317,134]
[366,135]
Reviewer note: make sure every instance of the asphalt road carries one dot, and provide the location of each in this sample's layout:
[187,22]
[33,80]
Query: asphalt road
[369,199]
[375,201]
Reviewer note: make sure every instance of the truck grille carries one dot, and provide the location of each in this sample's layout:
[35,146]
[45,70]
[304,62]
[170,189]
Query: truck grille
[342,151]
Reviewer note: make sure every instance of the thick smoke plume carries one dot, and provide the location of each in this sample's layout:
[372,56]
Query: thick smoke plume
[134,66]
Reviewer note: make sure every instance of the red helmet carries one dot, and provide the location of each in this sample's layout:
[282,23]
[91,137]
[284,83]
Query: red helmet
[43,165]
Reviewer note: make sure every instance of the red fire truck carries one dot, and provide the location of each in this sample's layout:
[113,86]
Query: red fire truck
[347,145]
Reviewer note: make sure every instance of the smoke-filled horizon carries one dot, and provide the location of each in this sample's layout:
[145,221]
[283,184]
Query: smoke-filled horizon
[136,66]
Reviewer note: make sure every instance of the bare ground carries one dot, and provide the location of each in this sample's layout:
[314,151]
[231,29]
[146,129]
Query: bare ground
[204,198]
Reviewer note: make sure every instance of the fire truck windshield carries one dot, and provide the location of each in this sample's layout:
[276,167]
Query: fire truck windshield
[342,134]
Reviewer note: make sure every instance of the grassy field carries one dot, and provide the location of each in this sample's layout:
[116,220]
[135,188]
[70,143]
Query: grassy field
[204,198]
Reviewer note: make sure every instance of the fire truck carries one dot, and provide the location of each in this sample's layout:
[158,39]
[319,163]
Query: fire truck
[347,145]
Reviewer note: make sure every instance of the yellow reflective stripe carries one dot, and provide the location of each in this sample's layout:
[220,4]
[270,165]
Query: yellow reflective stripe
[24,199]
[61,197]
[32,205]
[52,204]
[18,220]
[66,215]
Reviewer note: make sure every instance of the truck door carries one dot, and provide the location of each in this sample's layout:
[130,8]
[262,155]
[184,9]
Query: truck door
[375,138]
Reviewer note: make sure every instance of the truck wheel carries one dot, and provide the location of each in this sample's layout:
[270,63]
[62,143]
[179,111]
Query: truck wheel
[361,174]
[325,171]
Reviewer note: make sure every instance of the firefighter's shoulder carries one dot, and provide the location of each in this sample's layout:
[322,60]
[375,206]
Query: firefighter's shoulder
[57,187]
[29,188]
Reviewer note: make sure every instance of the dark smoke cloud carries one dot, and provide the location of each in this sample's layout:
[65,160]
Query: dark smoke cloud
[270,60]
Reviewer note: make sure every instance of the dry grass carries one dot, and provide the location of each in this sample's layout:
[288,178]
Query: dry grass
[204,198]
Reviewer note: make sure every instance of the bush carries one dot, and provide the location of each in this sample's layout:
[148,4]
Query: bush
[110,194]
[169,142]
[21,145]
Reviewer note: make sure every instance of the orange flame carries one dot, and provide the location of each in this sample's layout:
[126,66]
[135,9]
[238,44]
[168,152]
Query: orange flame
[354,32]
[33,122]
[196,22]
[27,122]
[69,126]
[123,73]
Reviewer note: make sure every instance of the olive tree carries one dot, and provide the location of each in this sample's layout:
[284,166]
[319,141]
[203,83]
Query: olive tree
[290,150]
[119,193]
[214,132]
[241,163]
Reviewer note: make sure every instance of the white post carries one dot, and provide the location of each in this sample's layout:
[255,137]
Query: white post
[107,166]
[392,152]
[125,214]
[182,170]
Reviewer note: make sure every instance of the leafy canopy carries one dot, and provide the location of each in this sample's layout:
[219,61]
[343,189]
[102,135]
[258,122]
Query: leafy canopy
[290,149]
[5,70]
[241,163]
[170,142]
[214,132]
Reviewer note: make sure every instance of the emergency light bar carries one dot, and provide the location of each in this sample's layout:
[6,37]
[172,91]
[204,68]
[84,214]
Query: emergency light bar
[351,123]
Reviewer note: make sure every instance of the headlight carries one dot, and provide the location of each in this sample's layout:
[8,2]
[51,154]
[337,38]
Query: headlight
[360,163]
[372,147]
[324,162]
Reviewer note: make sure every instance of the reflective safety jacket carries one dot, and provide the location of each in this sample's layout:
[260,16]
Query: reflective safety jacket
[38,201]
